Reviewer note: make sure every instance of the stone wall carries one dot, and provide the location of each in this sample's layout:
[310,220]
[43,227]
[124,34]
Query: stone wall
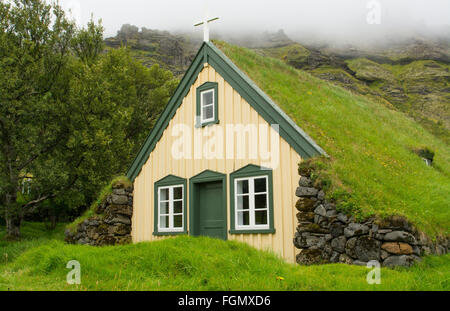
[111,224]
[327,236]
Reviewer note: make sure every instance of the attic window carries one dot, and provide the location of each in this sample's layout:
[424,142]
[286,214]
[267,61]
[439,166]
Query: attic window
[207,104]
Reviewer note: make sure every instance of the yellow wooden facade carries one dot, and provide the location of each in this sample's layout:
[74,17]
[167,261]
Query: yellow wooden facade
[232,109]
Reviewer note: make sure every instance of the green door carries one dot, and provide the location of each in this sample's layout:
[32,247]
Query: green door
[212,213]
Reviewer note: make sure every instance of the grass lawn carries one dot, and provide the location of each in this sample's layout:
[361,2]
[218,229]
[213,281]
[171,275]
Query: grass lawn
[186,263]
[372,163]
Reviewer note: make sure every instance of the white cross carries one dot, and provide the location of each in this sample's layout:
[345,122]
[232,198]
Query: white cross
[205,24]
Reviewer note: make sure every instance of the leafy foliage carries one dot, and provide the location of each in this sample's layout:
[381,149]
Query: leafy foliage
[71,116]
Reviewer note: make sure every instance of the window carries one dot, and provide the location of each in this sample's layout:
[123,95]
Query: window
[207,98]
[170,206]
[251,200]
[207,106]
[170,203]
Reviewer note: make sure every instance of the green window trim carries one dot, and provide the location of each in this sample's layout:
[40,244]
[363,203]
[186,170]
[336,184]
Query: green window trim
[170,181]
[204,177]
[250,171]
[207,87]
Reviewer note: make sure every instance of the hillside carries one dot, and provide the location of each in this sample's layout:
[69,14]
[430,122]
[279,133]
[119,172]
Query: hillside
[172,52]
[373,167]
[186,263]
[414,78]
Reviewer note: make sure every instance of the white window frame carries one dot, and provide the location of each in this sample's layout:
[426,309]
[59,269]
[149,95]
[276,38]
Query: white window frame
[203,121]
[171,214]
[251,203]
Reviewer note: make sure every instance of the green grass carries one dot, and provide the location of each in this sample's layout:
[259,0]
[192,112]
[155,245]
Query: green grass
[33,235]
[186,263]
[370,145]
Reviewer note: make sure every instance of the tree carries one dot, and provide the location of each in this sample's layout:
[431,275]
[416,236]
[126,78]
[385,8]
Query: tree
[71,116]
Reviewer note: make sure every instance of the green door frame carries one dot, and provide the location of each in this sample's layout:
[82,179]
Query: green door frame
[205,177]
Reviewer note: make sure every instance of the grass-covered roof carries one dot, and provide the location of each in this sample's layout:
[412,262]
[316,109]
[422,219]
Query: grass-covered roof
[373,168]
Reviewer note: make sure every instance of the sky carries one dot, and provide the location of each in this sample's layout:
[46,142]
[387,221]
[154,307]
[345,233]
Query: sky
[325,19]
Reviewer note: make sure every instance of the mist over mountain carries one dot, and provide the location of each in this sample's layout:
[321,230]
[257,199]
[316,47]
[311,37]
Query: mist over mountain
[411,74]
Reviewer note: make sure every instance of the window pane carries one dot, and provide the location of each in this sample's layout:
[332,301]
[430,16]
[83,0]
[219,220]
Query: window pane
[242,186]
[178,221]
[208,112]
[164,222]
[260,217]
[242,202]
[164,208]
[243,218]
[177,193]
[178,207]
[164,194]
[260,185]
[260,201]
[207,98]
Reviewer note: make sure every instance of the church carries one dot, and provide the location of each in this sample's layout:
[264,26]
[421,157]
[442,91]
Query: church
[221,161]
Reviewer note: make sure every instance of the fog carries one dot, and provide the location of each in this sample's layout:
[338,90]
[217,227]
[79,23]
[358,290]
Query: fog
[339,21]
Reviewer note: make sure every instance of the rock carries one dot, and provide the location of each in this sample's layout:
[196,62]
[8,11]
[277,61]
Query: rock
[312,257]
[119,229]
[384,254]
[321,195]
[119,191]
[126,210]
[397,248]
[360,263]
[306,192]
[399,223]
[307,241]
[331,213]
[336,229]
[305,182]
[334,257]
[384,231]
[374,229]
[305,216]
[401,261]
[343,258]
[329,206]
[313,228]
[367,249]
[350,247]
[355,229]
[342,218]
[400,236]
[119,199]
[338,244]
[305,204]
[122,220]
[320,210]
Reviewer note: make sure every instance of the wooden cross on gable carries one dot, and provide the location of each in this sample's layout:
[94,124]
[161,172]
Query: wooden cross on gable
[205,24]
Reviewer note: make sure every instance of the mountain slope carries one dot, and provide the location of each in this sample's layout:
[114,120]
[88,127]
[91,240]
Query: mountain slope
[413,79]
[371,146]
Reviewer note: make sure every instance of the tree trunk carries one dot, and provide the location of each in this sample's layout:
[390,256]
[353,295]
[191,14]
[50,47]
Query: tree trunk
[13,217]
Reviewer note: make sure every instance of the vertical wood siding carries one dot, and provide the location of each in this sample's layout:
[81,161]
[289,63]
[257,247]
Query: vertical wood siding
[233,109]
